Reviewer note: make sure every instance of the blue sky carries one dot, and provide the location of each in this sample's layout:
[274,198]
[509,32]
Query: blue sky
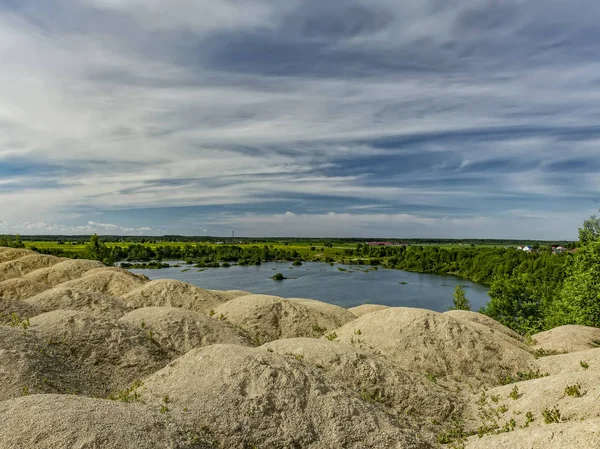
[395,118]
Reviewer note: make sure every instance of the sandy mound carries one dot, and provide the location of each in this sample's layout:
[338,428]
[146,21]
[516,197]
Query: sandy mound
[436,344]
[366,308]
[531,400]
[372,376]
[115,282]
[228,295]
[63,271]
[571,362]
[67,422]
[26,264]
[267,318]
[20,288]
[248,397]
[182,330]
[570,338]
[65,298]
[171,293]
[337,313]
[572,435]
[22,309]
[108,356]
[8,254]
[480,318]
[28,365]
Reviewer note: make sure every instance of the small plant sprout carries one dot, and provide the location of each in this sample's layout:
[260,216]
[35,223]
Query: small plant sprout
[584,365]
[212,312]
[331,336]
[574,391]
[551,416]
[25,391]
[528,418]
[357,332]
[432,377]
[514,394]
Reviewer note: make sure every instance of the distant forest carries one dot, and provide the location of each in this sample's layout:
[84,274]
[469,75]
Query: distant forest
[318,241]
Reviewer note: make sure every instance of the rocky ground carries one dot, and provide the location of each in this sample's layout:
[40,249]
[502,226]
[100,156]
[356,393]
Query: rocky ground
[97,357]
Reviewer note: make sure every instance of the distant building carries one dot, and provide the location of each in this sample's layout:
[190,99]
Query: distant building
[559,249]
[528,248]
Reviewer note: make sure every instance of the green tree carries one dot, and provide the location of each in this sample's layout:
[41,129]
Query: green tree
[579,298]
[18,243]
[99,251]
[460,300]
[517,303]
[590,231]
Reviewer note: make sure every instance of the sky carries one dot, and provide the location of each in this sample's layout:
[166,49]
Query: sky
[374,118]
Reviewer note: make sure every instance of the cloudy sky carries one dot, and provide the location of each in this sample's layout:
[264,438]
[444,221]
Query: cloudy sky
[397,118]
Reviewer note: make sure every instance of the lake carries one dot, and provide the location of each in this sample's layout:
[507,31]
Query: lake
[327,283]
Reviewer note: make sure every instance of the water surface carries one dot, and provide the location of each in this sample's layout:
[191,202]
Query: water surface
[327,283]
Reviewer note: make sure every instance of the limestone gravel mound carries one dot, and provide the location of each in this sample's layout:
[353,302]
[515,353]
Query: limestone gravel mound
[436,344]
[63,271]
[570,362]
[537,397]
[20,288]
[267,318]
[66,298]
[107,356]
[70,422]
[373,377]
[7,254]
[570,338]
[28,365]
[11,307]
[366,308]
[480,318]
[337,313]
[172,293]
[183,330]
[248,397]
[26,264]
[571,435]
[228,295]
[106,281]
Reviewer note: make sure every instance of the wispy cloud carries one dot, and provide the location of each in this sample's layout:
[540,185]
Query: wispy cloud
[454,113]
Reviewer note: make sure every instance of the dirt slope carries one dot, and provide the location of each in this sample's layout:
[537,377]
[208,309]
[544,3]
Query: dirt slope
[65,298]
[171,293]
[20,288]
[373,377]
[63,271]
[106,356]
[267,318]
[26,264]
[436,344]
[365,308]
[485,320]
[249,397]
[73,422]
[113,282]
[182,330]
[570,338]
